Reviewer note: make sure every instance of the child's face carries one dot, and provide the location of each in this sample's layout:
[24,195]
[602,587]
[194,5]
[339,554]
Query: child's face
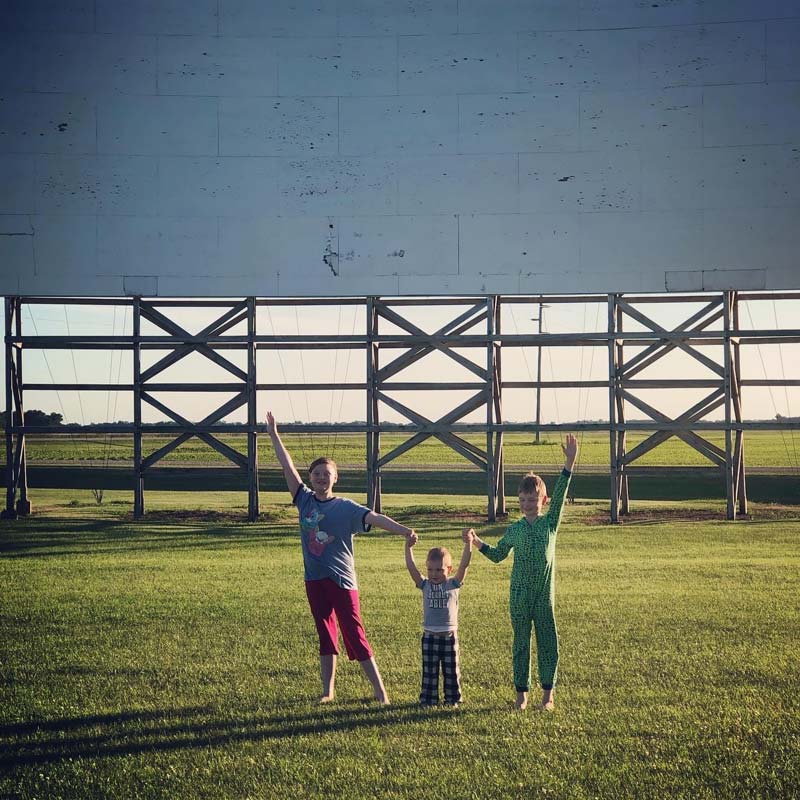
[438,569]
[323,478]
[531,504]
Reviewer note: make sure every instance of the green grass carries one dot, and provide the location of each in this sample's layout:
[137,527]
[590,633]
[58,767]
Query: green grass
[763,449]
[175,657]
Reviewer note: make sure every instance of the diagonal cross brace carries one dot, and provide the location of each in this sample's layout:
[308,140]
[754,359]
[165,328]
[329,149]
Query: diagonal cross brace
[422,350]
[228,320]
[639,317]
[232,455]
[703,446]
[461,446]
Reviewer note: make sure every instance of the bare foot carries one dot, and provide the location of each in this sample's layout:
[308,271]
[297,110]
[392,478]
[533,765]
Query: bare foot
[521,702]
[548,703]
[382,698]
[326,698]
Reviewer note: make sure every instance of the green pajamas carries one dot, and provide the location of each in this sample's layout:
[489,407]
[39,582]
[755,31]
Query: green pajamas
[533,588]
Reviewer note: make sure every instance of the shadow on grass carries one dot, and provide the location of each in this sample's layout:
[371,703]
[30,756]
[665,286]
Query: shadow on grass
[49,537]
[136,732]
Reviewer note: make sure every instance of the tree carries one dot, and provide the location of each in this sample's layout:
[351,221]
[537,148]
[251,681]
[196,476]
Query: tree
[36,417]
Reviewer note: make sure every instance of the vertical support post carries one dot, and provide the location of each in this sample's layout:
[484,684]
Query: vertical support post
[491,480]
[727,386]
[373,417]
[11,478]
[138,478]
[612,409]
[252,415]
[622,435]
[23,504]
[741,482]
[500,478]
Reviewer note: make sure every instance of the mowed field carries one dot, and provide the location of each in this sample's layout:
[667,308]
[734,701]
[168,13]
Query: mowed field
[671,471]
[174,657]
[762,449]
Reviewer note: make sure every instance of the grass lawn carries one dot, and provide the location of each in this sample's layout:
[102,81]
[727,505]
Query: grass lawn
[175,658]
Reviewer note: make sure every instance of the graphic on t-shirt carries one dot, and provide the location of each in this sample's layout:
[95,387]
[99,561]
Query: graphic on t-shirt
[317,538]
[438,596]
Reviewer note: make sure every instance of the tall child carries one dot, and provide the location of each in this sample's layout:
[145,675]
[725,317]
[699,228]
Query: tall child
[533,539]
[327,527]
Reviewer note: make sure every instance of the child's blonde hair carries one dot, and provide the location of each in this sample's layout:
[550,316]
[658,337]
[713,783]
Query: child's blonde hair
[439,554]
[532,484]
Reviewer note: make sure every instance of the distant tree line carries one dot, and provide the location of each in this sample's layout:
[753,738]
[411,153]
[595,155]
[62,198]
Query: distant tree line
[36,417]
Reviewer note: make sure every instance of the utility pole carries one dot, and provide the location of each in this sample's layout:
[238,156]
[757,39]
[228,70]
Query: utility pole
[538,319]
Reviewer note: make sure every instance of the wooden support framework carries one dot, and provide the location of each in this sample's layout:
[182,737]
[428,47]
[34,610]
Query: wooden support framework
[725,391]
[245,394]
[421,344]
[715,323]
[16,472]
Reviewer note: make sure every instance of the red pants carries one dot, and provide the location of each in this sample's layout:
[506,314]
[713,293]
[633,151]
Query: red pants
[326,597]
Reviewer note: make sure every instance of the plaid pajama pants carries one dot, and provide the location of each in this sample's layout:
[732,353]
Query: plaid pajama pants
[440,650]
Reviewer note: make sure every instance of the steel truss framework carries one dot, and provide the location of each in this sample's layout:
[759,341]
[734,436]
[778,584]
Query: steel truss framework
[716,323]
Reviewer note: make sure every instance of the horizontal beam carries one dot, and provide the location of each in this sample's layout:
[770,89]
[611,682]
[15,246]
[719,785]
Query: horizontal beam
[596,338]
[404,301]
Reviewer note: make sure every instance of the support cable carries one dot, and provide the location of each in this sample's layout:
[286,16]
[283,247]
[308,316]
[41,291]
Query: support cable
[552,459]
[769,388]
[53,380]
[328,450]
[591,369]
[74,367]
[346,375]
[285,380]
[785,387]
[303,381]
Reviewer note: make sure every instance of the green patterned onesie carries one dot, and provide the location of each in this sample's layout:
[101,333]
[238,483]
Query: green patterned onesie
[532,588]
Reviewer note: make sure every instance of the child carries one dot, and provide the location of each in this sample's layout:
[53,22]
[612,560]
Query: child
[327,526]
[533,539]
[440,619]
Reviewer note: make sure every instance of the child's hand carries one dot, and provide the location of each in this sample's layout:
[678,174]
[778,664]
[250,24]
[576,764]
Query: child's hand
[468,536]
[272,426]
[411,539]
[570,450]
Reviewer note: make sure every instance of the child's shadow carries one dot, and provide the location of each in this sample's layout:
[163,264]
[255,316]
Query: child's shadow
[135,732]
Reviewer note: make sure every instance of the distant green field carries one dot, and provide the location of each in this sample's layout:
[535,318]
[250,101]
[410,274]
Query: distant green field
[174,657]
[762,449]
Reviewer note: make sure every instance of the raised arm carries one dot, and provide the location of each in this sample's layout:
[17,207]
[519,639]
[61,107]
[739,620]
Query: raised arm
[562,483]
[570,451]
[388,524]
[291,474]
[468,535]
[410,563]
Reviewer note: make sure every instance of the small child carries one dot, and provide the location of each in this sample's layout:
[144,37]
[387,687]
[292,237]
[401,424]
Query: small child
[533,539]
[440,619]
[327,526]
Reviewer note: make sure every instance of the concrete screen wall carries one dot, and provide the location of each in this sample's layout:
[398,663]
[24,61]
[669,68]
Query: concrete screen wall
[398,147]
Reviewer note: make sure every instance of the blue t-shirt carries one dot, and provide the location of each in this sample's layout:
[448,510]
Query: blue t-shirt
[327,528]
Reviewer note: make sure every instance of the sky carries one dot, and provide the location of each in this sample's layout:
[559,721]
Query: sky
[341,366]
